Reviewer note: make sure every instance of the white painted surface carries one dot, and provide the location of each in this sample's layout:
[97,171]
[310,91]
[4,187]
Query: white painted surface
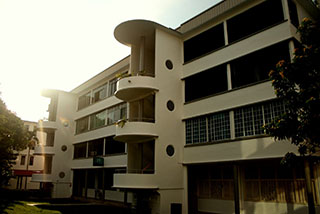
[259,148]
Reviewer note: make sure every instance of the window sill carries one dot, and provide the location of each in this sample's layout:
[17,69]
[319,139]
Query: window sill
[94,103]
[108,155]
[227,140]
[236,41]
[228,91]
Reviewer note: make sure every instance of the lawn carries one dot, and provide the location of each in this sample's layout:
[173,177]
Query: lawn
[19,207]
[22,201]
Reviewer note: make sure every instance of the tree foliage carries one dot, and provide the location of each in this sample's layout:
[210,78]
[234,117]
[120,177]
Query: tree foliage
[13,138]
[297,82]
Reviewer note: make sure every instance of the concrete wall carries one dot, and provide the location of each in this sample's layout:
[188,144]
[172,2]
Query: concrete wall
[170,128]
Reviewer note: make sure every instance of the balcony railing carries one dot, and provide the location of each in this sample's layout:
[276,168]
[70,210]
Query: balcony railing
[133,87]
[43,150]
[134,171]
[135,131]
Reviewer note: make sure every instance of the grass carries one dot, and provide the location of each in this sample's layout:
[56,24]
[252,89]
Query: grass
[22,201]
[19,207]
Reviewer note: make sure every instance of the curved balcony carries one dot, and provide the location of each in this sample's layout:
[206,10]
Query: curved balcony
[41,178]
[134,87]
[141,181]
[135,131]
[43,150]
[45,125]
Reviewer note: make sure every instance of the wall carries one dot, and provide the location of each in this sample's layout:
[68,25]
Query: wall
[168,170]
[63,136]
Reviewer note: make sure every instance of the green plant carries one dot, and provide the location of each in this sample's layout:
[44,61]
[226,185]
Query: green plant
[121,122]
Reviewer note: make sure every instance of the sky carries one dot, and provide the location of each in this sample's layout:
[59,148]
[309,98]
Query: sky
[59,44]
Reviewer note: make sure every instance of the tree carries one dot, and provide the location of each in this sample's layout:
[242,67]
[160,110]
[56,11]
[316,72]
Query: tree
[13,138]
[297,83]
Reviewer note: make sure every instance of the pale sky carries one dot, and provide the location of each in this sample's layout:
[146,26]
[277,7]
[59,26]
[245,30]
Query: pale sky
[59,44]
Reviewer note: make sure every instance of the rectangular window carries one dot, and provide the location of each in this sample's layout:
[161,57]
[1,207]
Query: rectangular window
[84,101]
[80,150]
[143,110]
[256,66]
[248,121]
[275,183]
[219,126]
[272,110]
[204,43]
[95,147]
[293,13]
[214,182]
[91,178]
[254,20]
[82,125]
[116,113]
[112,87]
[100,93]
[23,160]
[209,128]
[31,160]
[206,83]
[114,147]
[98,119]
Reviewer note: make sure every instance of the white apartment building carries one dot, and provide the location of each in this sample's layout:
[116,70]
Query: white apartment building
[27,164]
[176,127]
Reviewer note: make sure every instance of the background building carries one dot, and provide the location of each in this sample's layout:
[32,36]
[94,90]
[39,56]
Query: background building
[176,127]
[27,164]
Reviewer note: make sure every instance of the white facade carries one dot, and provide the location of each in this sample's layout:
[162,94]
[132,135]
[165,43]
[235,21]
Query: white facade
[189,105]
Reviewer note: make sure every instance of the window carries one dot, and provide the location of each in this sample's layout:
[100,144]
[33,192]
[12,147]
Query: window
[256,66]
[23,160]
[293,13]
[248,121]
[98,119]
[214,182]
[116,113]
[206,83]
[91,178]
[273,182]
[31,160]
[84,101]
[204,43]
[80,150]
[114,147]
[82,125]
[209,128]
[254,20]
[112,87]
[105,117]
[99,93]
[219,126]
[95,147]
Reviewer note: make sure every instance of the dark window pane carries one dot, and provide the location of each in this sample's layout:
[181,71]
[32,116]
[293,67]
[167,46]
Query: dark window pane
[205,83]
[255,19]
[256,66]
[82,125]
[293,13]
[95,147]
[204,43]
[114,147]
[80,150]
